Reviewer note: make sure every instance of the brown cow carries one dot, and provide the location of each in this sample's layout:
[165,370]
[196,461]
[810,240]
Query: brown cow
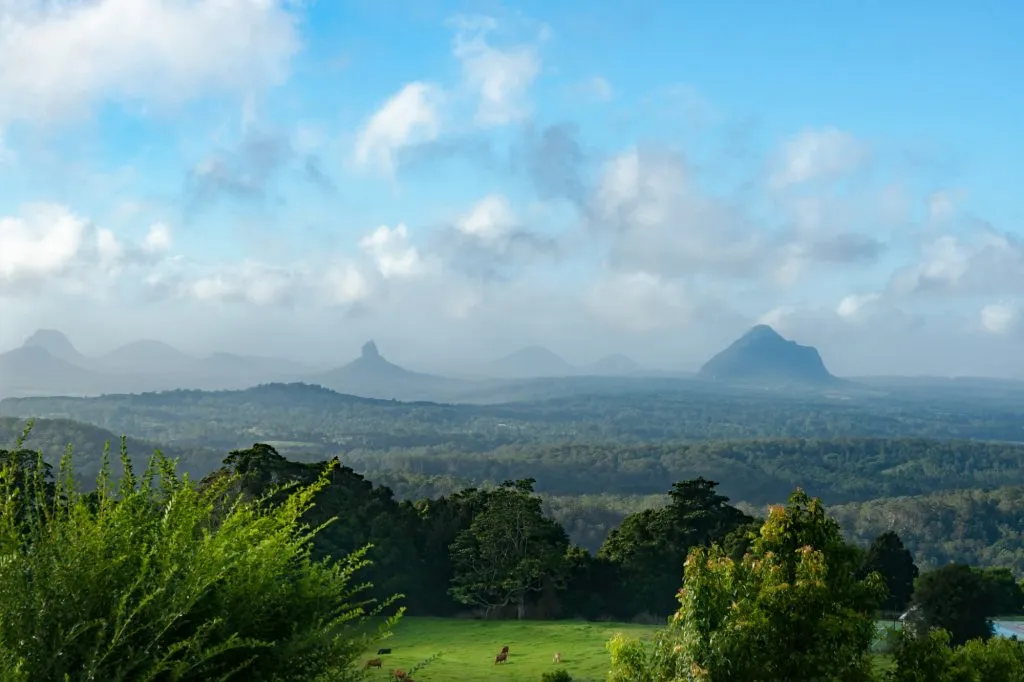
[400,674]
[374,663]
[501,658]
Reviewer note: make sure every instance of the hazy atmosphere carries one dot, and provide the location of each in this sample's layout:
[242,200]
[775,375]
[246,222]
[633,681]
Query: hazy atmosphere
[276,177]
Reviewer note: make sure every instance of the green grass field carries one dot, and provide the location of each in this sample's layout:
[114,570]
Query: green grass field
[467,648]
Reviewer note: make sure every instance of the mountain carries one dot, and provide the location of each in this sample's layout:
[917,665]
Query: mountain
[762,355]
[58,345]
[33,370]
[49,364]
[615,364]
[372,376]
[147,356]
[530,362]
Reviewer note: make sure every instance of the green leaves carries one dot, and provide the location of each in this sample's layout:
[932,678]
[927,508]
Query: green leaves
[792,608]
[157,579]
[509,550]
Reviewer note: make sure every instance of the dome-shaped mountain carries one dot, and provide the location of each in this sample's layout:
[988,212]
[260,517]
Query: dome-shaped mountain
[762,355]
[56,344]
[530,362]
[615,364]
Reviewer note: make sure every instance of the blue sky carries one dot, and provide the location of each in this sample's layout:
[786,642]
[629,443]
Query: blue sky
[459,179]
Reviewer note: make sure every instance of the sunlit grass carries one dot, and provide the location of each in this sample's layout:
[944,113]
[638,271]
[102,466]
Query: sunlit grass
[467,648]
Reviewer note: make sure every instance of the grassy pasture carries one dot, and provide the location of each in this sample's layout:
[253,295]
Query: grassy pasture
[467,649]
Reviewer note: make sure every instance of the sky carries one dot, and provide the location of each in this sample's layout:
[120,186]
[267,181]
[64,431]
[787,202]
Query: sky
[457,180]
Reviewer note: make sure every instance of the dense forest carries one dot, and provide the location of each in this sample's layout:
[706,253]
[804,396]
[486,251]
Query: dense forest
[320,421]
[920,487]
[485,552]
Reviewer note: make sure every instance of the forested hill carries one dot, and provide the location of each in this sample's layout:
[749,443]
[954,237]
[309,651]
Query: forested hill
[944,497]
[757,472]
[53,436]
[325,421]
[980,527]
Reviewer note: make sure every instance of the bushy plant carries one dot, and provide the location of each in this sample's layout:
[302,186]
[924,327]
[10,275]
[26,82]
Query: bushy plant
[928,657]
[560,675]
[154,578]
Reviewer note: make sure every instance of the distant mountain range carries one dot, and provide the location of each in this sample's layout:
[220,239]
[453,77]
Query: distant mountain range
[49,364]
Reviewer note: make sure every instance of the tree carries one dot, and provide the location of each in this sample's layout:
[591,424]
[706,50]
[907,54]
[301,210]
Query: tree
[1005,593]
[361,513]
[954,598]
[650,546]
[928,657]
[156,578]
[509,551]
[895,564]
[793,608]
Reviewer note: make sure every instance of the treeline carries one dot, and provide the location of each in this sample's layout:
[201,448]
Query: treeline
[154,576]
[978,527]
[590,488]
[319,418]
[758,472]
[447,553]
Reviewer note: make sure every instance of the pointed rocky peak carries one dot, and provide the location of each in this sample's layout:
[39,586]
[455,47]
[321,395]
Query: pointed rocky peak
[763,354]
[370,351]
[762,333]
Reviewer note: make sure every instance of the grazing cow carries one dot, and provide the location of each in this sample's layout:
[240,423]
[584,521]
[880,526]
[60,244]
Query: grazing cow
[374,663]
[501,658]
[381,652]
[558,657]
[400,675]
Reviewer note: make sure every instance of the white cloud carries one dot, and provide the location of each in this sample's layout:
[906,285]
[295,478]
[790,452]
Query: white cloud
[853,306]
[345,284]
[779,318]
[41,244]
[50,250]
[392,253]
[490,219]
[158,238]
[60,58]
[500,77]
[640,302]
[248,282]
[411,116]
[816,155]
[108,247]
[981,262]
[998,318]
[660,223]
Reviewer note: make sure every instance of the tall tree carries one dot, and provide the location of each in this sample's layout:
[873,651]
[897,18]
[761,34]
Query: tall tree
[509,551]
[1005,593]
[895,564]
[955,598]
[650,546]
[792,609]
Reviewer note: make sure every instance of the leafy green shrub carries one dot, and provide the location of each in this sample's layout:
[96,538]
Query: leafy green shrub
[157,579]
[560,675]
[929,658]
